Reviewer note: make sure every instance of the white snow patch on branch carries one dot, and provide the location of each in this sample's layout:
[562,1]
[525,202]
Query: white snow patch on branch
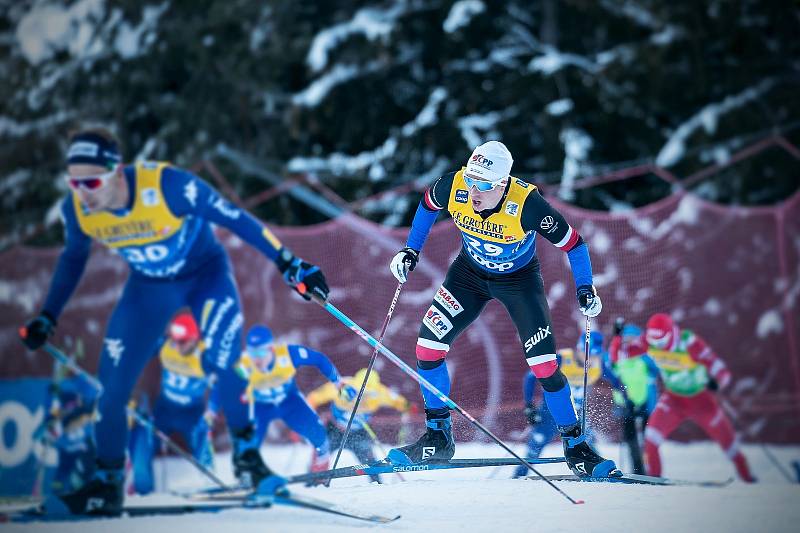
[559,107]
[461,13]
[338,163]
[577,144]
[769,322]
[553,60]
[372,23]
[474,127]
[707,118]
[130,39]
[312,95]
[48,28]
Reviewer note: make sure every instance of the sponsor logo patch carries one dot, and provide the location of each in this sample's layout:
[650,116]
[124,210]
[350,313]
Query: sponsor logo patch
[540,335]
[461,196]
[448,301]
[512,208]
[149,197]
[522,184]
[482,161]
[436,322]
[547,223]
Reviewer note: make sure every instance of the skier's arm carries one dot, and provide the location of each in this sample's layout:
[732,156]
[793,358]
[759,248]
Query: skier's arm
[186,194]
[702,353]
[71,263]
[303,356]
[611,376]
[535,213]
[434,200]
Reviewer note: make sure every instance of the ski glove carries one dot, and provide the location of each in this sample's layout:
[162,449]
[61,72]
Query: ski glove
[347,392]
[37,331]
[298,271]
[589,301]
[403,262]
[619,325]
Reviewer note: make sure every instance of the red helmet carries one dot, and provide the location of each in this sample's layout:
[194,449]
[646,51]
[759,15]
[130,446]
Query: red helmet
[184,328]
[661,331]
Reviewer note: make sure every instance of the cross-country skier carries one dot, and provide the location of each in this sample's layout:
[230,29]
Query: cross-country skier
[272,392]
[158,218]
[543,427]
[498,216]
[691,374]
[181,406]
[70,428]
[635,384]
[376,396]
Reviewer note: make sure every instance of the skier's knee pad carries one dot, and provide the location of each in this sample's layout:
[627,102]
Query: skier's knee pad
[431,351]
[543,366]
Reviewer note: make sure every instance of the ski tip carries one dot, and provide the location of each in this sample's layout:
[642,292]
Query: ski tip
[580,502]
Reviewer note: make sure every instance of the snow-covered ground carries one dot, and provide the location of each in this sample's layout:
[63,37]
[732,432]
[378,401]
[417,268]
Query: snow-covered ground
[487,500]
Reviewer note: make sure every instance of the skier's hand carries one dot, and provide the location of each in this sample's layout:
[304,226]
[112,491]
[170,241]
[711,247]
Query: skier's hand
[619,324]
[589,301]
[347,392]
[403,262]
[532,414]
[297,272]
[36,332]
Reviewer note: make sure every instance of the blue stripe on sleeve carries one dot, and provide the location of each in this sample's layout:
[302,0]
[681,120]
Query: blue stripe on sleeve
[424,219]
[581,265]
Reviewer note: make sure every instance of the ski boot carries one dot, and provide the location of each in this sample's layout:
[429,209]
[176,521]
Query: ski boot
[249,468]
[320,462]
[102,495]
[436,445]
[582,459]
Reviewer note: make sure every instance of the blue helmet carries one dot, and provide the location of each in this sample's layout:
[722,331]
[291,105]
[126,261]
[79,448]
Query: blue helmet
[259,336]
[631,331]
[595,343]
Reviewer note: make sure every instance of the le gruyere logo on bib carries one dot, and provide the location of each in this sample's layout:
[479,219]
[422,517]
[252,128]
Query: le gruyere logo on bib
[436,322]
[448,301]
[461,196]
[482,227]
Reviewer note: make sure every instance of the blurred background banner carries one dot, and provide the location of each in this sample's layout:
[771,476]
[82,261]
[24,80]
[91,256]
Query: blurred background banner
[23,408]
[731,274]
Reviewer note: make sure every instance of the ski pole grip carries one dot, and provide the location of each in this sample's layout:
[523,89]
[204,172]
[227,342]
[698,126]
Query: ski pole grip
[23,333]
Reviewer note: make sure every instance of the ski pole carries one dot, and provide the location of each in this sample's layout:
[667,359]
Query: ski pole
[413,374]
[585,375]
[94,382]
[366,377]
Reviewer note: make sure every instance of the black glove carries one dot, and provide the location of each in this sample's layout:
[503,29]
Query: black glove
[619,324]
[589,301]
[403,262]
[296,271]
[532,414]
[712,384]
[37,331]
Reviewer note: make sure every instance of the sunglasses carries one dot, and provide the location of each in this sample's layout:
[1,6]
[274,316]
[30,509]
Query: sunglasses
[91,183]
[258,352]
[481,185]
